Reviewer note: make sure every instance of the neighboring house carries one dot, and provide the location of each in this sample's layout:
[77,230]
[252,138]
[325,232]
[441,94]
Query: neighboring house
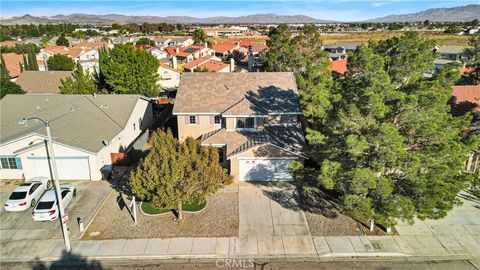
[159,54]
[466,98]
[340,50]
[94,45]
[9,43]
[161,41]
[192,52]
[89,61]
[42,82]
[223,32]
[251,117]
[87,131]
[169,77]
[72,52]
[449,54]
[224,49]
[197,63]
[180,41]
[13,62]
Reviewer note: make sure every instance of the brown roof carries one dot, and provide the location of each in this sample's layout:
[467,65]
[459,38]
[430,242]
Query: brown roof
[223,47]
[467,94]
[72,52]
[92,44]
[288,138]
[42,82]
[8,43]
[168,67]
[205,92]
[12,63]
[258,48]
[214,66]
[339,66]
[195,63]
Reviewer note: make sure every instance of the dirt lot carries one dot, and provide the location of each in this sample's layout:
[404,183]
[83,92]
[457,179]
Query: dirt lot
[219,219]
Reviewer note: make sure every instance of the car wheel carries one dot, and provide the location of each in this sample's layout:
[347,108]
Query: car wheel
[32,203]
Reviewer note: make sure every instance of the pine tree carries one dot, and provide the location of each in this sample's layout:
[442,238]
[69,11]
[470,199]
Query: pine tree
[3,69]
[174,172]
[80,83]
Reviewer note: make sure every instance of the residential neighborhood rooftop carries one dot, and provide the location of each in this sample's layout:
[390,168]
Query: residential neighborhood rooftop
[217,92]
[82,121]
[42,82]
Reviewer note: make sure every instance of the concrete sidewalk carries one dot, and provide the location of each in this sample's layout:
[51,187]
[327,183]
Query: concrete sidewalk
[250,247]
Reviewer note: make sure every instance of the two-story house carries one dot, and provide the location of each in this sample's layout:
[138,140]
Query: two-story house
[251,117]
[448,54]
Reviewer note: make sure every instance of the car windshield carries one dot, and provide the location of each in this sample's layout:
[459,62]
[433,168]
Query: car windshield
[18,195]
[44,205]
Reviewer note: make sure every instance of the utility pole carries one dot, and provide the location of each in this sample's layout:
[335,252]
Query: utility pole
[53,166]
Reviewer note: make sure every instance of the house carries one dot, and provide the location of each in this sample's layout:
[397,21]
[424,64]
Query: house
[42,82]
[9,43]
[161,41]
[223,32]
[192,52]
[449,54]
[89,60]
[197,63]
[13,62]
[180,41]
[87,131]
[339,66]
[95,45]
[225,49]
[252,118]
[72,52]
[169,76]
[159,54]
[340,50]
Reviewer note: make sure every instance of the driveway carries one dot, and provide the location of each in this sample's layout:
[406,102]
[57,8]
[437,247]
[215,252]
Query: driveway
[270,209]
[20,225]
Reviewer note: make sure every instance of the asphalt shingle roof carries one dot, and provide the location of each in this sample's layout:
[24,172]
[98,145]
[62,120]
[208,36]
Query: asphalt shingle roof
[42,82]
[272,92]
[81,121]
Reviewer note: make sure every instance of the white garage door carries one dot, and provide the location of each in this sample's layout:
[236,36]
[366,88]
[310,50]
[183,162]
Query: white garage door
[68,168]
[265,170]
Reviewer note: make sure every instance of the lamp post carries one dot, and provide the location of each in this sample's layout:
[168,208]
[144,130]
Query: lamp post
[54,172]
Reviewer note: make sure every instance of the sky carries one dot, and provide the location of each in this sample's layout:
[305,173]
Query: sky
[341,10]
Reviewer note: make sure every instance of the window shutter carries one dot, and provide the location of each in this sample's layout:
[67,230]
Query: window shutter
[19,163]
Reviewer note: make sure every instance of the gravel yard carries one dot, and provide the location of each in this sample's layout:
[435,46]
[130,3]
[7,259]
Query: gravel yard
[219,219]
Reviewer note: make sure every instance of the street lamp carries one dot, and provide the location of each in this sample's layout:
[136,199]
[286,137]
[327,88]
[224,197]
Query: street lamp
[54,174]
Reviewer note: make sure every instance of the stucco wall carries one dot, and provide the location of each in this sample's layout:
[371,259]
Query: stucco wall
[204,124]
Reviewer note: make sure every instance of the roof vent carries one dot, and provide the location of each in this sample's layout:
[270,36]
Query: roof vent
[106,106]
[38,107]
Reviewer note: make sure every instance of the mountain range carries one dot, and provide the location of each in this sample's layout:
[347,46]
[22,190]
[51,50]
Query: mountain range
[462,13]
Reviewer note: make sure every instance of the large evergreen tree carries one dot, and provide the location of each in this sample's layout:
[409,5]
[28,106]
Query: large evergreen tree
[174,172]
[125,70]
[60,62]
[384,137]
[8,87]
[3,69]
[62,41]
[80,83]
[473,60]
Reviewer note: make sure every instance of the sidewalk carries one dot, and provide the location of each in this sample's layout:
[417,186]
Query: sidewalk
[250,247]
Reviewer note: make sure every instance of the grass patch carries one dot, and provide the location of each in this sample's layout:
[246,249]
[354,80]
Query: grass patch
[148,208]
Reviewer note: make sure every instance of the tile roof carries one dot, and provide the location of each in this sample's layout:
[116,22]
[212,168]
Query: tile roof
[72,52]
[258,48]
[214,66]
[9,43]
[172,50]
[245,43]
[339,66]
[93,44]
[467,93]
[81,121]
[42,82]
[204,92]
[195,63]
[224,47]
[12,63]
[169,67]
[289,138]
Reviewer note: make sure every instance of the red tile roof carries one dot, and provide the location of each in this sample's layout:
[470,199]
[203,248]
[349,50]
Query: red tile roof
[172,51]
[245,43]
[196,62]
[339,66]
[467,93]
[93,44]
[214,66]
[224,47]
[8,43]
[12,61]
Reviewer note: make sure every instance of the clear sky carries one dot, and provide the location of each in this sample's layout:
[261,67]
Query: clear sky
[341,10]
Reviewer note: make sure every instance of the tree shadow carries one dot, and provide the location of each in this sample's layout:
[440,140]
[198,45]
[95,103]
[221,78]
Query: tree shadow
[67,261]
[461,108]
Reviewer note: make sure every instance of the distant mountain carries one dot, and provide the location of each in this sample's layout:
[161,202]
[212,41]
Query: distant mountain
[122,19]
[455,14]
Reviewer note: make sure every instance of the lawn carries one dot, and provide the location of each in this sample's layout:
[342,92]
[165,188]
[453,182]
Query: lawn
[148,208]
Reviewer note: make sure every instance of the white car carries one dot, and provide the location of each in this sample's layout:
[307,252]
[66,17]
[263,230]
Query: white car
[47,208]
[26,194]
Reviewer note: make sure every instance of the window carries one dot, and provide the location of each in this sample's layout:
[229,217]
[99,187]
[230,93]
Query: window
[9,163]
[217,120]
[64,193]
[220,155]
[192,119]
[33,188]
[246,122]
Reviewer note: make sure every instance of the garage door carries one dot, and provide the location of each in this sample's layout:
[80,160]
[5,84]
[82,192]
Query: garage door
[68,168]
[265,169]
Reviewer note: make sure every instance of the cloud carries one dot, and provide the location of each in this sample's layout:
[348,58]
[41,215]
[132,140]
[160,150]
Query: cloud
[378,4]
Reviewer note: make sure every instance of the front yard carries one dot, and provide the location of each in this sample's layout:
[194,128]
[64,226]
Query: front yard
[218,219]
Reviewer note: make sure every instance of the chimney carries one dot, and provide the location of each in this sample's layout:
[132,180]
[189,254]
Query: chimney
[177,50]
[232,64]
[174,62]
[238,43]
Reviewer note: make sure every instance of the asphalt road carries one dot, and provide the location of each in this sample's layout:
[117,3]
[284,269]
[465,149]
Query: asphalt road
[380,264]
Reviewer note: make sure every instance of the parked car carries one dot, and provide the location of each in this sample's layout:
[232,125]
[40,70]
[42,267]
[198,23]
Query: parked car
[47,208]
[27,194]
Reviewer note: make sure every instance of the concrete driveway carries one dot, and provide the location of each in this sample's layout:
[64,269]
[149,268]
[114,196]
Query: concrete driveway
[20,225]
[270,209]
